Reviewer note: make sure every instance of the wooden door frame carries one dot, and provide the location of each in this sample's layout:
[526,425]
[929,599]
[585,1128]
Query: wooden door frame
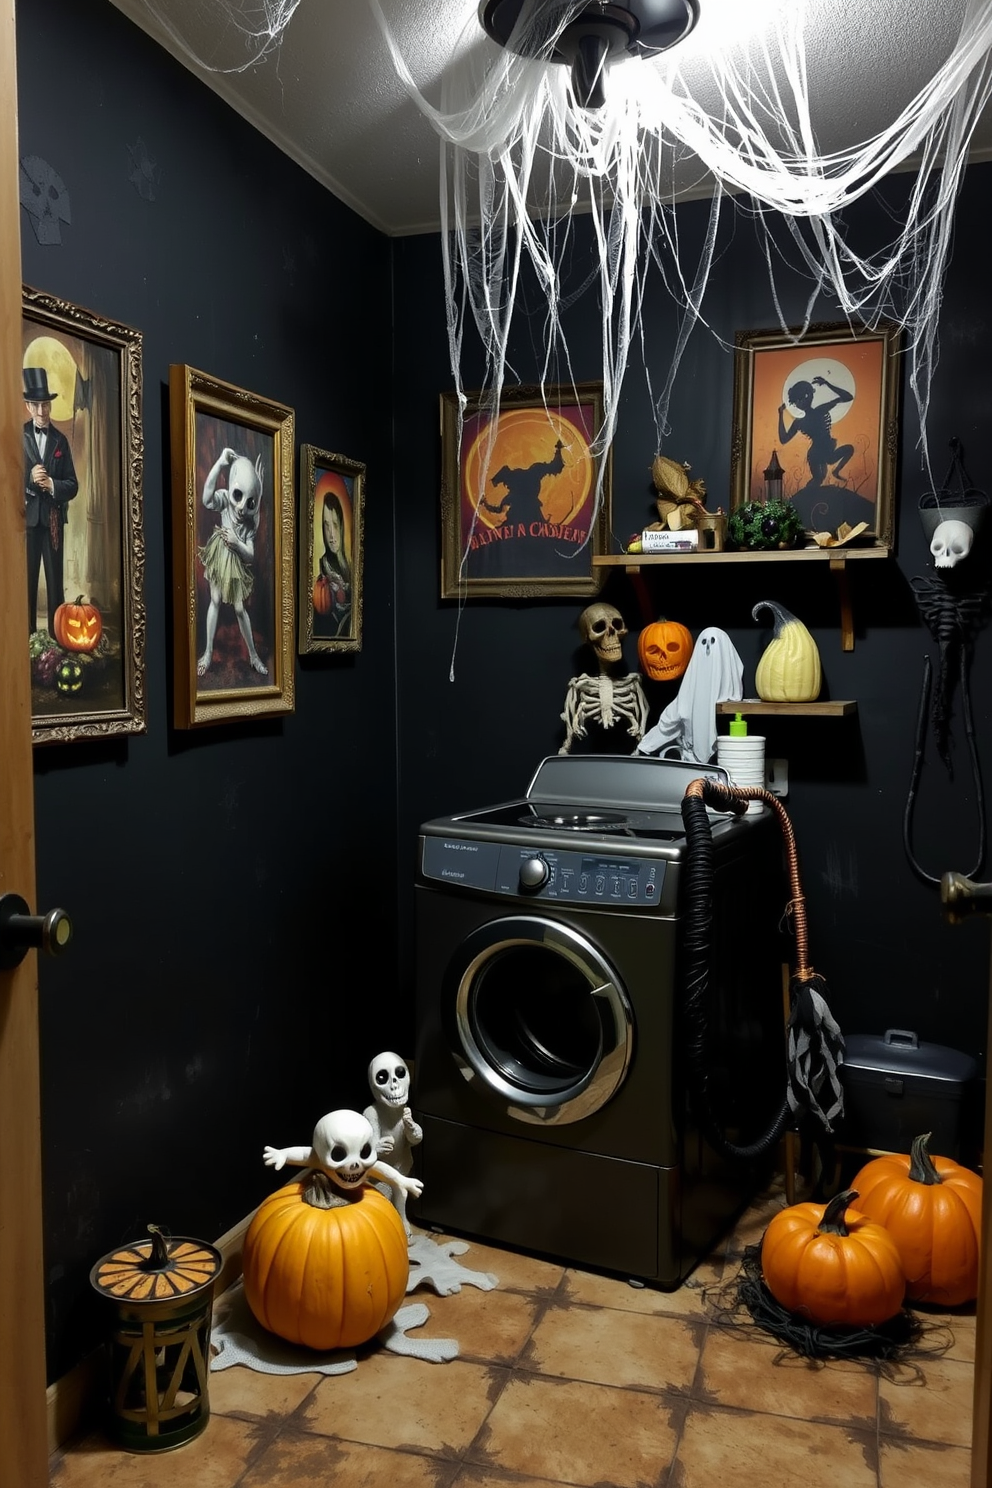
[23,1419]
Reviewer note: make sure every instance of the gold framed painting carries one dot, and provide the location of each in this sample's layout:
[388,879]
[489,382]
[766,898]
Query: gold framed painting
[233,549]
[525,496]
[84,538]
[824,405]
[332,514]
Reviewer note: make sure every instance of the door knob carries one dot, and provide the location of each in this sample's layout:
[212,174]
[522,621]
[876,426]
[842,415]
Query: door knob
[962,897]
[21,931]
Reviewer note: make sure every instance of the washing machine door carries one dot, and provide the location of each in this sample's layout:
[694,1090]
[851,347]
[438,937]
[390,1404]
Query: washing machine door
[539,1019]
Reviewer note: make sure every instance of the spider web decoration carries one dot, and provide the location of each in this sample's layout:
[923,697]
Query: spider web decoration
[45,198]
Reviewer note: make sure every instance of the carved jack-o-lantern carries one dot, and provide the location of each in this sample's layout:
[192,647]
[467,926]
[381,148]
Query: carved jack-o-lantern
[664,649]
[78,626]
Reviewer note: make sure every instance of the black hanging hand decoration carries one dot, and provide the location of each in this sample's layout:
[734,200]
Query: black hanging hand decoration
[953,605]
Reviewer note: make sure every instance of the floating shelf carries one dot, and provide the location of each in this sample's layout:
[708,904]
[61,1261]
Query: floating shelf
[756,707]
[837,558]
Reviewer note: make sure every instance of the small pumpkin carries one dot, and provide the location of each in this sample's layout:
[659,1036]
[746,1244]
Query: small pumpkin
[68,676]
[78,626]
[789,670]
[833,1264]
[932,1208]
[326,1278]
[664,649]
[322,595]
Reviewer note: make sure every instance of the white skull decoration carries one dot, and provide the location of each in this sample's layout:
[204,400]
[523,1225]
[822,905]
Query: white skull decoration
[602,627]
[389,1080]
[950,543]
[344,1145]
[244,488]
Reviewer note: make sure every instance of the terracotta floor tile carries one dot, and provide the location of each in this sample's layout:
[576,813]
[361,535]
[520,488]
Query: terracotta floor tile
[240,1391]
[910,1465]
[516,1272]
[689,1300]
[214,1459]
[569,1432]
[399,1402]
[929,1402]
[614,1348]
[746,1450]
[756,1375]
[490,1327]
[303,1462]
[481,1477]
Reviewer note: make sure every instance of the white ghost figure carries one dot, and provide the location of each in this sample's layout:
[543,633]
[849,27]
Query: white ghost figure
[715,674]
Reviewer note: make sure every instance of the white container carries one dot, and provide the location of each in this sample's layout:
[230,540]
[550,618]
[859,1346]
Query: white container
[743,758]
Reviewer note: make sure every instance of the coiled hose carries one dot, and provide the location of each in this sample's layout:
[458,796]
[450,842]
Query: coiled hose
[697,940]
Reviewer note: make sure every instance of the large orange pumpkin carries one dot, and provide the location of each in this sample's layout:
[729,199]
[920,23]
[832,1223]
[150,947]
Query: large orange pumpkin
[832,1264]
[932,1208]
[77,626]
[325,1278]
[664,649]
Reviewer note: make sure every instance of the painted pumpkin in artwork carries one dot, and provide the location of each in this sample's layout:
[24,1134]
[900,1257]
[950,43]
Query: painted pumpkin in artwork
[322,595]
[78,626]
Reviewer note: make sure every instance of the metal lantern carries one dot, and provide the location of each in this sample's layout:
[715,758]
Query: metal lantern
[773,479]
[159,1352]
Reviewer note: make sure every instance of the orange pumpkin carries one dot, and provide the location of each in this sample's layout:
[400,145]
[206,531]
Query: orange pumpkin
[664,649]
[322,595]
[832,1264]
[325,1278]
[932,1208]
[78,626]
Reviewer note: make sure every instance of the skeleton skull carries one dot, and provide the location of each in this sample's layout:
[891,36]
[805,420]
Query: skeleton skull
[244,487]
[602,627]
[344,1144]
[950,543]
[389,1080]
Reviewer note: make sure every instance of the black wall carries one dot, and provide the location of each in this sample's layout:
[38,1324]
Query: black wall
[242,896]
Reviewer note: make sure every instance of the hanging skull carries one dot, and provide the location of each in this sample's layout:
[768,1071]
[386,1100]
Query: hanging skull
[602,627]
[343,1143]
[950,543]
[389,1080]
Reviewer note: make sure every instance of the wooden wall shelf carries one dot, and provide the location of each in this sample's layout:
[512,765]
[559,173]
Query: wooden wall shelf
[756,707]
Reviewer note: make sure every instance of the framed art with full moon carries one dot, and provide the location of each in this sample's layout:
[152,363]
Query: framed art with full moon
[816,419]
[525,494]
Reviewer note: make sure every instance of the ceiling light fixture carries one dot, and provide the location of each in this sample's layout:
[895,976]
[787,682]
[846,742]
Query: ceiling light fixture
[589,38]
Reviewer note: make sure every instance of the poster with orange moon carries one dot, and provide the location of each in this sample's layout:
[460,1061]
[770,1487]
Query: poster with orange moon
[527,493]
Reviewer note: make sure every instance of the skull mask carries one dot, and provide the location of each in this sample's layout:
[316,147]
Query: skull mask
[244,489]
[389,1080]
[950,543]
[602,627]
[343,1144]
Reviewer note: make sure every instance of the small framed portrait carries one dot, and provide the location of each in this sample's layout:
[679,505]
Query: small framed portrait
[525,496]
[84,537]
[233,551]
[332,502]
[821,408]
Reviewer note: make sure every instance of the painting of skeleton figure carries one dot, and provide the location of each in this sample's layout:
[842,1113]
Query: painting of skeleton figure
[233,521]
[82,505]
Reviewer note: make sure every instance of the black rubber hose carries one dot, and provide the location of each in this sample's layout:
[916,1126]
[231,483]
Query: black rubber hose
[696,943]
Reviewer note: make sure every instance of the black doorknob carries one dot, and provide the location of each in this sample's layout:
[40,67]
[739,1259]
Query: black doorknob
[21,931]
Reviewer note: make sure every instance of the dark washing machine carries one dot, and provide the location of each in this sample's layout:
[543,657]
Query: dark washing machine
[550,1071]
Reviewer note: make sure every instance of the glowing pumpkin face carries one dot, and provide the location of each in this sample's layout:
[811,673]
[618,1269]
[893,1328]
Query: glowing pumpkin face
[78,627]
[664,649]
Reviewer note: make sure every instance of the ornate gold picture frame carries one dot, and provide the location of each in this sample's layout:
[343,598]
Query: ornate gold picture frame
[332,517]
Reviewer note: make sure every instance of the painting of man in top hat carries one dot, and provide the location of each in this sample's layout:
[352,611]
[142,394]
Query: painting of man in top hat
[49,485]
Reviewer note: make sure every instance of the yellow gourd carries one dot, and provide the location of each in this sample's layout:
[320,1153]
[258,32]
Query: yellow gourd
[789,670]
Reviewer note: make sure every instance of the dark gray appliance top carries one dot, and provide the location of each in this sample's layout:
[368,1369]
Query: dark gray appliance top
[635,781]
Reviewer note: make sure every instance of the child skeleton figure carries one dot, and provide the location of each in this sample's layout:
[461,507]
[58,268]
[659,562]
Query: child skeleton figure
[343,1147]
[395,1131]
[229,551]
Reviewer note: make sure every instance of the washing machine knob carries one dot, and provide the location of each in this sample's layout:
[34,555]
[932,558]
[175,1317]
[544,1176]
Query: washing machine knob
[534,873]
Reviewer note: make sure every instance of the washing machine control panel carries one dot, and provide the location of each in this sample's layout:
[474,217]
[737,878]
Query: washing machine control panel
[588,877]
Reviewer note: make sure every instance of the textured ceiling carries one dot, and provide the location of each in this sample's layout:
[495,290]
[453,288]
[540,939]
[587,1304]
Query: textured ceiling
[329,97]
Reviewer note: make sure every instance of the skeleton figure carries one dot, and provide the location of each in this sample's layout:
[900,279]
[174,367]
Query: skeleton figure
[343,1148]
[394,1130]
[605,699]
[229,551]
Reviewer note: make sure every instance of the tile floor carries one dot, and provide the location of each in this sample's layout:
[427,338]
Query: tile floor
[566,1377]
